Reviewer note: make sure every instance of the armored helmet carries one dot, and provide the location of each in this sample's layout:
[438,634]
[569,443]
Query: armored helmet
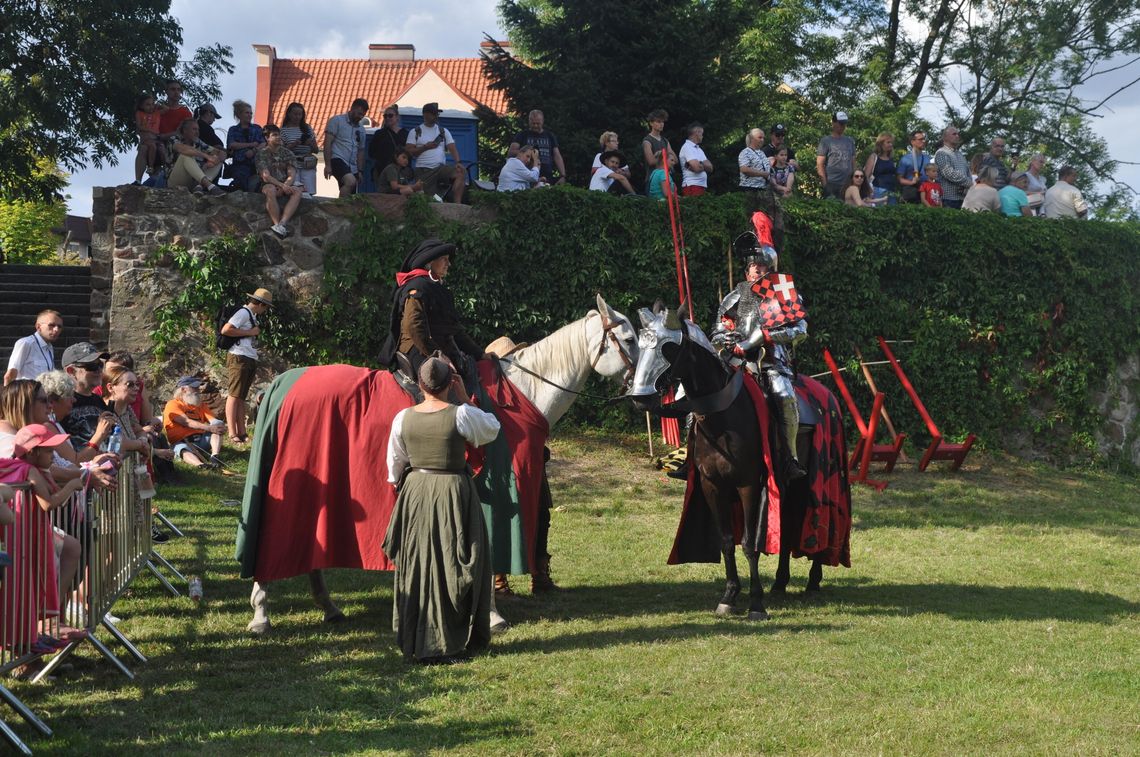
[752,251]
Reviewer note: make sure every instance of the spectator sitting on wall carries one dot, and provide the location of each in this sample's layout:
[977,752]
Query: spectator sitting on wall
[300,139]
[552,169]
[995,159]
[660,183]
[521,171]
[198,165]
[173,112]
[243,141]
[1063,200]
[32,355]
[151,153]
[190,426]
[430,143]
[608,141]
[982,197]
[1014,200]
[398,178]
[344,147]
[654,142]
[835,159]
[695,165]
[207,114]
[912,168]
[387,142]
[857,192]
[880,169]
[610,174]
[276,166]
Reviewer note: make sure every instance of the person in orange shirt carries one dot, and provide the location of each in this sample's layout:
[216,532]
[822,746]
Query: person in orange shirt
[191,427]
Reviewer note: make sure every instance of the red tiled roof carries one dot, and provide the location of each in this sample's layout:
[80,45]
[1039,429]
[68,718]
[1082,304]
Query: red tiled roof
[328,86]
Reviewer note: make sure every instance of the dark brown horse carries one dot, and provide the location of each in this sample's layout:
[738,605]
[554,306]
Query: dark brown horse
[731,460]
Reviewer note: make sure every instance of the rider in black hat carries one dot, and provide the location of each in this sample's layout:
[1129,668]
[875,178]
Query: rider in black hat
[424,318]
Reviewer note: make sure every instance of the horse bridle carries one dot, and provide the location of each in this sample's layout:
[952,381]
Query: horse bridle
[608,327]
[709,404]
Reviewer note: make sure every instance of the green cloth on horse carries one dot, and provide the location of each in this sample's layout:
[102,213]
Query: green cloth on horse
[436,537]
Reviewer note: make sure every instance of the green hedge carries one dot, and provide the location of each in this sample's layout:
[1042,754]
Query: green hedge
[1016,321]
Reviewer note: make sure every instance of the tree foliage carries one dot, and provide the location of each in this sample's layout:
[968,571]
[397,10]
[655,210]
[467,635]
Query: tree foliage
[29,230]
[69,77]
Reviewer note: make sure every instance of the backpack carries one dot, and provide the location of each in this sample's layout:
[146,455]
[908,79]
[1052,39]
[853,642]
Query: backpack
[223,316]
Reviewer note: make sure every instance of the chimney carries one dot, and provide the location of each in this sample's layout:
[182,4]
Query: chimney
[485,46]
[389,53]
[266,54]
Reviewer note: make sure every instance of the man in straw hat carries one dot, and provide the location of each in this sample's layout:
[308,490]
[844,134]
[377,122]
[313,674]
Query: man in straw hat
[241,362]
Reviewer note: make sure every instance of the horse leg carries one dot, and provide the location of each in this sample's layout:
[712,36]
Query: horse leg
[783,571]
[322,598]
[723,512]
[259,601]
[815,575]
[750,501]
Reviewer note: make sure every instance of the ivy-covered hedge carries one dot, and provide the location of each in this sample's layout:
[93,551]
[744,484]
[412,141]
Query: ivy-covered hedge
[1015,322]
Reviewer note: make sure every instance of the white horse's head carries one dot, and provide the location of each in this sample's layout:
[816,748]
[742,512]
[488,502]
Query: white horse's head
[612,342]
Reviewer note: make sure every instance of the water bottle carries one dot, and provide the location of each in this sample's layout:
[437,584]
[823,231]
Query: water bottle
[194,588]
[115,441]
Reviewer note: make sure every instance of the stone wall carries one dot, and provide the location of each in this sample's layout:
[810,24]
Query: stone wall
[1119,404]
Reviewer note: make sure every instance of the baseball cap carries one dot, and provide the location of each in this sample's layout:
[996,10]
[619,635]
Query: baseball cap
[205,108]
[191,381]
[779,129]
[431,108]
[83,352]
[840,116]
[36,435]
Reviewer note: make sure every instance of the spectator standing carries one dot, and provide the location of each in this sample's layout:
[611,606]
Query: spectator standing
[88,422]
[610,173]
[207,114]
[151,152]
[783,175]
[776,143]
[654,142]
[660,183]
[755,169]
[912,168]
[430,143]
[835,159]
[982,197]
[549,156]
[173,112]
[608,141]
[344,147]
[857,191]
[241,362]
[398,178]
[191,427]
[995,159]
[953,171]
[695,165]
[1036,182]
[521,171]
[880,169]
[930,191]
[1014,200]
[300,139]
[1063,200]
[387,142]
[243,141]
[276,168]
[197,165]
[32,355]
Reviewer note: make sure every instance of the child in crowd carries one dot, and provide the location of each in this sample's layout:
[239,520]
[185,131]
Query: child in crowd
[931,190]
[398,178]
[783,175]
[151,154]
[610,172]
[659,181]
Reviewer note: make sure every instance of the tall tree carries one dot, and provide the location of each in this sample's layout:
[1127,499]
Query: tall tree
[69,76]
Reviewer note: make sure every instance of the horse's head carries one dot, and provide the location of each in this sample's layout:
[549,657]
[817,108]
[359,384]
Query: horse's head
[659,344]
[612,343]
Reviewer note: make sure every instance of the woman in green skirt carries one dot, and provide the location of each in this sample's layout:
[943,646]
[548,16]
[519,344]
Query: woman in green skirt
[436,536]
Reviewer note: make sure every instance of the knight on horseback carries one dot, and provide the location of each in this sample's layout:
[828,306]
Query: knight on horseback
[759,323]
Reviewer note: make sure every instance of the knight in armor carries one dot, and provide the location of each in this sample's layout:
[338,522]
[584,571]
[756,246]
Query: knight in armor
[424,318]
[758,325]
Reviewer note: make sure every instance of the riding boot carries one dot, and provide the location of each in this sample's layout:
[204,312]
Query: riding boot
[503,586]
[540,580]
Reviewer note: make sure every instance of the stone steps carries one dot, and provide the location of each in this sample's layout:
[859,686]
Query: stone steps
[25,290]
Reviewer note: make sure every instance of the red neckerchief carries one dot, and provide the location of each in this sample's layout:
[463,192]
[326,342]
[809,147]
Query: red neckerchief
[403,278]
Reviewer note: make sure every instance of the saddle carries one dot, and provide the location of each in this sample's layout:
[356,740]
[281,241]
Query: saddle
[404,376]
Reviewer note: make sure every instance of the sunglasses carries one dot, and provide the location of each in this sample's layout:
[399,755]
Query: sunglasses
[858,176]
[131,384]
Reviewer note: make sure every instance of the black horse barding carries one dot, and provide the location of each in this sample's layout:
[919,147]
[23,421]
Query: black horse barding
[732,494]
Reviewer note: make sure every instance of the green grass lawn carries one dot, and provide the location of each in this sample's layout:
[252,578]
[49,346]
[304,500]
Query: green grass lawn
[996,610]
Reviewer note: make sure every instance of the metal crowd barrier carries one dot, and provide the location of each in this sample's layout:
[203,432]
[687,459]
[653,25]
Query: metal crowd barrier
[113,529]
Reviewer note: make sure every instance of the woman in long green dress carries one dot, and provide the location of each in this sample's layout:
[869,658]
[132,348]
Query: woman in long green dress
[436,536]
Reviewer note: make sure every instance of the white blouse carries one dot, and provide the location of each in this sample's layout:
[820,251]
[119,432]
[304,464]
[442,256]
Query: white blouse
[474,425]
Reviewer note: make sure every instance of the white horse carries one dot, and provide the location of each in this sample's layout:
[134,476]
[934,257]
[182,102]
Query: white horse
[551,373]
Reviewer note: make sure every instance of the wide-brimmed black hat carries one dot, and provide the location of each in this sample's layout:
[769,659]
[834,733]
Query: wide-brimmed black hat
[425,252]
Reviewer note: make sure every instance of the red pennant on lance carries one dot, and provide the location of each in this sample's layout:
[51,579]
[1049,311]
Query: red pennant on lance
[780,302]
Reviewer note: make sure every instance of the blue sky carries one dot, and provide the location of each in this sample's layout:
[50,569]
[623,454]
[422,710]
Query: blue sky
[440,29]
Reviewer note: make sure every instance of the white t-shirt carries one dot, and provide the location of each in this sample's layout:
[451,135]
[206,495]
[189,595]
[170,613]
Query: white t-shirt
[690,151]
[31,356]
[601,180]
[422,135]
[244,319]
